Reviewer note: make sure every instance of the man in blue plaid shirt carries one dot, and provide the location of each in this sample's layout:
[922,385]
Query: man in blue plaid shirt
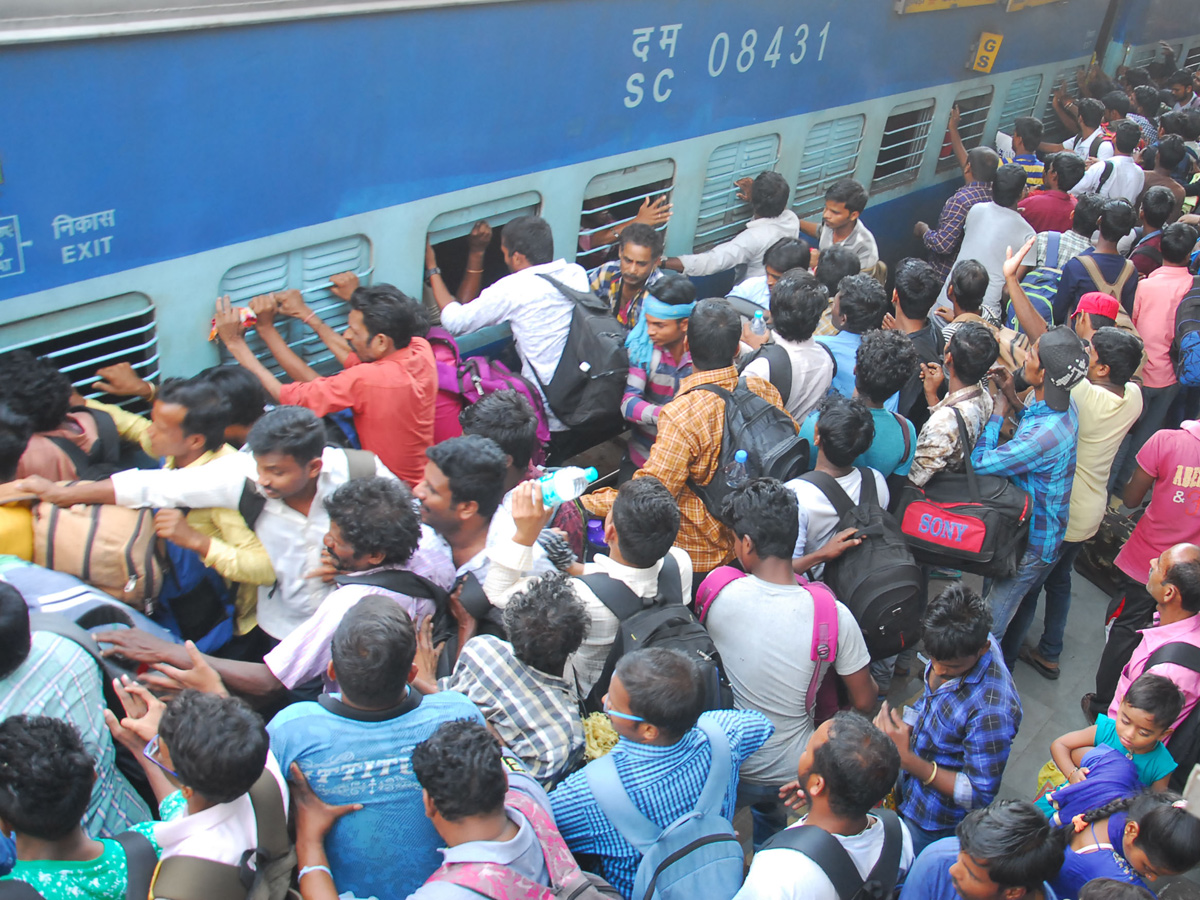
[954,742]
[1040,459]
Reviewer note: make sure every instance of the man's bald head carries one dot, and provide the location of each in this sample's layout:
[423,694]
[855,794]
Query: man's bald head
[1179,567]
[983,162]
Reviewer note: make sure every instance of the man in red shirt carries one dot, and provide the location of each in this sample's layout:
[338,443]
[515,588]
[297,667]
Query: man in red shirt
[389,377]
[1052,208]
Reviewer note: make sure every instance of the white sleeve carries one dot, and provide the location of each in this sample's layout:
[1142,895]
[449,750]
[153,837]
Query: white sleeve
[802,535]
[218,483]
[1089,181]
[881,488]
[760,368]
[493,306]
[852,653]
[1105,150]
[785,875]
[721,257]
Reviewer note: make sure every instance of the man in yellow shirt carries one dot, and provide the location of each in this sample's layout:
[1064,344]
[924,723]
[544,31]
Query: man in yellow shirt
[186,428]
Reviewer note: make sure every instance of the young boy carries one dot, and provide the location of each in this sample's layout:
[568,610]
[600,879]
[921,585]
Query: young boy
[1145,719]
[658,361]
[45,785]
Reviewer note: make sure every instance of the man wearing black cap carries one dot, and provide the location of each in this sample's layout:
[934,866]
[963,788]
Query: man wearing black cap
[1040,459]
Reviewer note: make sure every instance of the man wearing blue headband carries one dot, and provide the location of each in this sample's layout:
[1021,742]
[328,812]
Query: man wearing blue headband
[658,361]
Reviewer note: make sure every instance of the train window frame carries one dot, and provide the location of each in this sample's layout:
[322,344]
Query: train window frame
[972,127]
[914,146]
[1053,129]
[1192,58]
[1019,100]
[455,225]
[306,269]
[820,163]
[121,328]
[634,185]
[721,215]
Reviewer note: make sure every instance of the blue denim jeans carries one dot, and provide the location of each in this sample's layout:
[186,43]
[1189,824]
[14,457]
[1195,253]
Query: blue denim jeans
[766,809]
[1058,604]
[1005,594]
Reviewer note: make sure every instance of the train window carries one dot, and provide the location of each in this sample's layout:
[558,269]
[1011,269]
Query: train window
[116,329]
[722,215]
[973,107]
[448,234]
[1143,56]
[830,152]
[1193,59]
[306,269]
[613,199]
[905,136]
[1021,100]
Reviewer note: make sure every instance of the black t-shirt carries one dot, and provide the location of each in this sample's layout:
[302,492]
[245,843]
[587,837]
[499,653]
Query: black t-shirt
[930,348]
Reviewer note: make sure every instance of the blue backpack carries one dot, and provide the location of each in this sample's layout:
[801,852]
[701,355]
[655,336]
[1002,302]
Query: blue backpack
[698,854]
[195,603]
[1041,284]
[1185,346]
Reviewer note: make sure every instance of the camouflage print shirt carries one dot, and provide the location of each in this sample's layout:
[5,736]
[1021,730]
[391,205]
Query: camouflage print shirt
[938,445]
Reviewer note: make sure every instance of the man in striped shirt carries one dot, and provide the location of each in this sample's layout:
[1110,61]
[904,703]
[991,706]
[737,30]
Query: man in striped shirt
[1027,136]
[658,360]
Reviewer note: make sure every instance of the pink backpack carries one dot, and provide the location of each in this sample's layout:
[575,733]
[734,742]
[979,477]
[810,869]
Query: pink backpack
[821,699]
[478,376]
[499,882]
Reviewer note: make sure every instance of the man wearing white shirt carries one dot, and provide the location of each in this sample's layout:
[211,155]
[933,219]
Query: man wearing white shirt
[846,769]
[768,197]
[537,312]
[286,476]
[640,530]
[1119,176]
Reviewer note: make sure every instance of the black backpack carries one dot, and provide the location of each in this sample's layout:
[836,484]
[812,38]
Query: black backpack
[781,366]
[878,581]
[767,433]
[1185,742]
[589,382]
[660,621]
[831,857]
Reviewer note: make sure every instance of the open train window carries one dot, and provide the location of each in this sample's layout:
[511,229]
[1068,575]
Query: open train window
[1192,61]
[973,106]
[1021,100]
[830,152]
[1143,56]
[722,214]
[613,199]
[85,338]
[448,234]
[905,136]
[307,269]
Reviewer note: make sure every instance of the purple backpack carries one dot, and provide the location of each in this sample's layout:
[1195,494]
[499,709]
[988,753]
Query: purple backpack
[499,882]
[478,376]
[821,699]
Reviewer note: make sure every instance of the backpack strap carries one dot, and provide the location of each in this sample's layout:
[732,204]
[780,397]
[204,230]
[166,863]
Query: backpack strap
[1053,241]
[1112,288]
[560,864]
[1096,142]
[250,504]
[140,863]
[780,364]
[1176,653]
[823,651]
[613,800]
[1106,174]
[831,857]
[716,785]
[827,485]
[712,585]
[832,358]
[400,581]
[106,451]
[579,298]
[360,463]
[903,423]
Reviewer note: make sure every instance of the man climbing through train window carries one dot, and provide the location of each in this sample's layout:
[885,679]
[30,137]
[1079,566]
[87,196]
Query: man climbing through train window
[388,368]
[538,313]
[841,224]
[768,196]
[979,170]
[624,280]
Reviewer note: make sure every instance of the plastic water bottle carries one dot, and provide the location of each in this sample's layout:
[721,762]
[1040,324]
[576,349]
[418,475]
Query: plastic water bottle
[758,325]
[565,484]
[735,473]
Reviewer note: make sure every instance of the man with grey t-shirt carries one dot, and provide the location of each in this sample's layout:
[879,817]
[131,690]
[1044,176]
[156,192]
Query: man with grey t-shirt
[762,626]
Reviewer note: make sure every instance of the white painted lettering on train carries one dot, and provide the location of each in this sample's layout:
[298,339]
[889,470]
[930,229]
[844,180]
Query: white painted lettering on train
[634,85]
[659,94]
[64,224]
[635,91]
[641,42]
[670,33]
[72,253]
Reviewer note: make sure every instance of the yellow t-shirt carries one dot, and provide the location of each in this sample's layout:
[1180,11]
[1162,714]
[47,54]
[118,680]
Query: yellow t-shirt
[16,530]
[1104,420]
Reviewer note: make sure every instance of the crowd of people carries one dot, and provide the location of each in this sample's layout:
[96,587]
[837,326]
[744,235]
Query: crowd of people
[371,625]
